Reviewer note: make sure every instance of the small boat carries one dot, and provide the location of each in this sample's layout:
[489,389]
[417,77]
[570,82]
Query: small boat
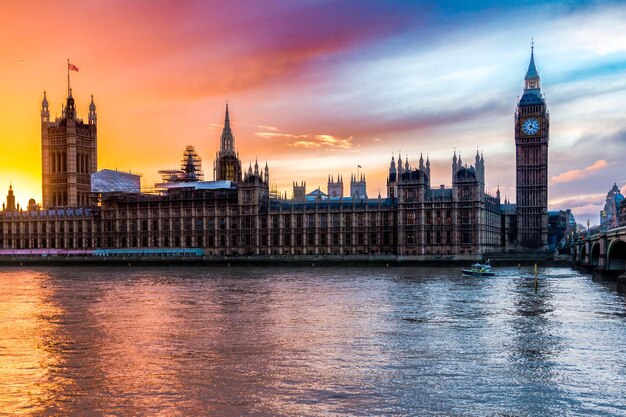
[479,270]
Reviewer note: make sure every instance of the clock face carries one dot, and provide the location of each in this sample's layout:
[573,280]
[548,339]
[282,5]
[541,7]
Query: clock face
[530,126]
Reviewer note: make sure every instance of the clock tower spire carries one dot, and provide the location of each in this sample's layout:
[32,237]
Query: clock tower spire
[531,159]
[531,81]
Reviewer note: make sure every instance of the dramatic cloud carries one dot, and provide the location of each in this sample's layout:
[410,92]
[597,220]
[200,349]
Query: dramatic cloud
[322,141]
[267,128]
[577,174]
[308,141]
[578,202]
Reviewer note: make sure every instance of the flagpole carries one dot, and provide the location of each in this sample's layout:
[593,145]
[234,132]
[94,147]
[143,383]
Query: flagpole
[68,77]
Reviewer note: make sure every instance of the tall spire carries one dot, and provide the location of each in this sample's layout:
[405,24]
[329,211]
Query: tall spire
[227,142]
[227,119]
[532,70]
[531,80]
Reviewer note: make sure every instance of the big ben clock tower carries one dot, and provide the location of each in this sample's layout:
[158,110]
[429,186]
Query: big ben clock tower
[532,125]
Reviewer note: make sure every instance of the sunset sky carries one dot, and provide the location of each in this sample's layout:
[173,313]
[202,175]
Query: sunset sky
[318,87]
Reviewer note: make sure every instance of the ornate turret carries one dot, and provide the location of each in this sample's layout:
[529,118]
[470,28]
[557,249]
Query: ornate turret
[10,200]
[335,188]
[227,163]
[358,187]
[299,191]
[45,111]
[454,164]
[92,112]
[70,107]
[392,167]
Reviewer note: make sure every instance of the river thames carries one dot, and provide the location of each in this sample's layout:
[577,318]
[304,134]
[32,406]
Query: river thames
[309,342]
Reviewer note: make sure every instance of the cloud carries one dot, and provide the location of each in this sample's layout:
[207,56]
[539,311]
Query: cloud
[577,174]
[268,128]
[579,201]
[308,141]
[322,141]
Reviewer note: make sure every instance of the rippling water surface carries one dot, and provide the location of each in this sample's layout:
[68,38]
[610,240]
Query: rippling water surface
[304,341]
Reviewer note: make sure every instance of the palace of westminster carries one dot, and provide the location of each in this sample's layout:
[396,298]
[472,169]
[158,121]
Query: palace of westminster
[236,214]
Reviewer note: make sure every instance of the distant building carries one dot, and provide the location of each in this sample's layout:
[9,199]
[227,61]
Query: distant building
[509,226]
[609,216]
[561,228]
[316,195]
[69,155]
[622,213]
[358,187]
[110,181]
[299,191]
[335,188]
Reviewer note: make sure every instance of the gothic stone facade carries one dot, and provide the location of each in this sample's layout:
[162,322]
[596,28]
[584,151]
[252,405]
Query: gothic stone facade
[243,220]
[69,155]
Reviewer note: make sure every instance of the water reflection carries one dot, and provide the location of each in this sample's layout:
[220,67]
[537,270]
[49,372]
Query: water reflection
[27,364]
[229,342]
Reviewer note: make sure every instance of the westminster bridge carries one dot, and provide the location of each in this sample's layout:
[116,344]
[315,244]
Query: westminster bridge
[604,253]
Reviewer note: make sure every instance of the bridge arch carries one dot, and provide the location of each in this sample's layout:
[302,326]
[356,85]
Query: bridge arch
[616,256]
[594,254]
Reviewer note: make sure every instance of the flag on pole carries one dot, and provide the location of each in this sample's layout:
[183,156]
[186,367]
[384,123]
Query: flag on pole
[359,166]
[72,67]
